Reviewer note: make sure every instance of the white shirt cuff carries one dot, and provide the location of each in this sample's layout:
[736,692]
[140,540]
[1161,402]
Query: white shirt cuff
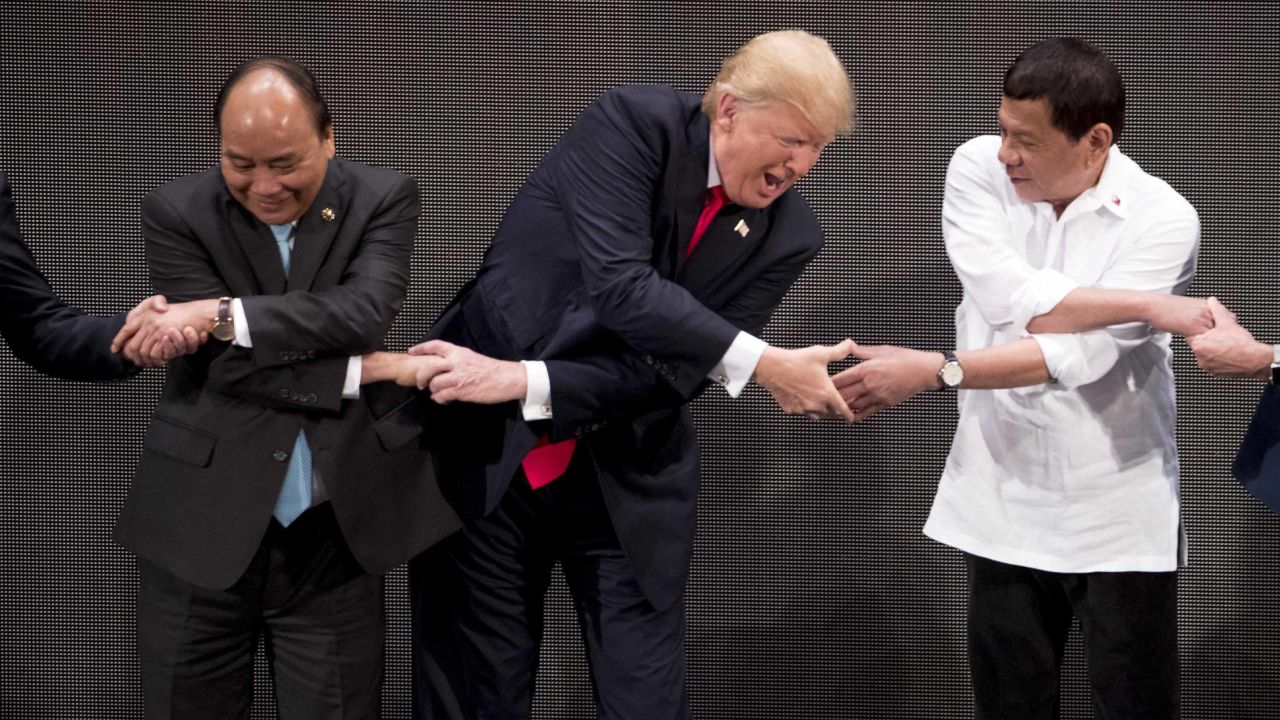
[737,366]
[351,385]
[1040,294]
[242,338]
[537,397]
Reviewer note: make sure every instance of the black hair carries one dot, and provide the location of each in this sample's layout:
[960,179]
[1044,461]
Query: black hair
[1081,84]
[295,73]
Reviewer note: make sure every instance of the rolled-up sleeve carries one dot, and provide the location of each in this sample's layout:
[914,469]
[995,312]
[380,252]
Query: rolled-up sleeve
[1161,258]
[980,243]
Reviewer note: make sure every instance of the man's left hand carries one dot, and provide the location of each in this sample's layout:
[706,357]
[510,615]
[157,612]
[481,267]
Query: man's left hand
[454,373]
[886,376]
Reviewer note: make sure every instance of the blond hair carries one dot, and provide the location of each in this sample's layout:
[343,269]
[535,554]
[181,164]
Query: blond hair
[789,66]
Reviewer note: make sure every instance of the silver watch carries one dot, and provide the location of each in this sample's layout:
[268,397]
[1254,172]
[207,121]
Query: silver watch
[951,374]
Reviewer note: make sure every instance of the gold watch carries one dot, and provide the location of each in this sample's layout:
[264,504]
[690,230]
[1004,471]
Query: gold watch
[224,325]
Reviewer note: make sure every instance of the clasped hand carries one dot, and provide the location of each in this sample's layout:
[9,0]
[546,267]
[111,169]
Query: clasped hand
[453,373]
[156,331]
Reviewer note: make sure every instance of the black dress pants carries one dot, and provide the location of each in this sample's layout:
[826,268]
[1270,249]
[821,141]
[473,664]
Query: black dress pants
[478,611]
[1018,624]
[318,613]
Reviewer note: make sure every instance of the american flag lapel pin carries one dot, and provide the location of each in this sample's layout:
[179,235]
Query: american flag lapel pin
[742,228]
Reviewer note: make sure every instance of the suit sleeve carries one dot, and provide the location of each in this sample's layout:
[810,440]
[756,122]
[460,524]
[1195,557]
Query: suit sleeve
[605,174]
[588,391]
[182,271]
[41,329]
[353,317]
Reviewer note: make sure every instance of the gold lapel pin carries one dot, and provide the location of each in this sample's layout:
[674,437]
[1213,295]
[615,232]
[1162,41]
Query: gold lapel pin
[742,228]
[327,215]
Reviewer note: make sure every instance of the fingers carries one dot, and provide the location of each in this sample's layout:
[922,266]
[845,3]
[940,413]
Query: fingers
[866,352]
[122,337]
[430,372]
[848,376]
[1221,315]
[432,347]
[843,411]
[840,350]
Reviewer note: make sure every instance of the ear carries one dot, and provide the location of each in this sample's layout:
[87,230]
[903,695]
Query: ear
[330,148]
[1099,140]
[727,109]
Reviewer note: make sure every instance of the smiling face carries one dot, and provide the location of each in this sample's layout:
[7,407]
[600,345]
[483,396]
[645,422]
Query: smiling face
[274,158]
[1044,163]
[762,150]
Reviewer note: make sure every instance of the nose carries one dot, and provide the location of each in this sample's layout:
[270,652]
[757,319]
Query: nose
[801,161]
[264,183]
[1007,155]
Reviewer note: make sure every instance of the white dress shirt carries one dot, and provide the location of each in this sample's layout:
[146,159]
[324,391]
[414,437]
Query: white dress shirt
[1079,474]
[733,371]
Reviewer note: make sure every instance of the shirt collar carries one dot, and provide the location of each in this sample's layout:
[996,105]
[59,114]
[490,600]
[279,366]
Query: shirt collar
[1110,191]
[713,172]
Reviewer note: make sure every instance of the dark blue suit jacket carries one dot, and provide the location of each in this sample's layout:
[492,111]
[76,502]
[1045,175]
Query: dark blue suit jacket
[40,328]
[588,273]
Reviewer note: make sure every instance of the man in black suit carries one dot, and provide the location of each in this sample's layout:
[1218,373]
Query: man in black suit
[55,338]
[626,289]
[273,491]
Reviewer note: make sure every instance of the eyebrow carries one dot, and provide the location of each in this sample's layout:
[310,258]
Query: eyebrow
[287,157]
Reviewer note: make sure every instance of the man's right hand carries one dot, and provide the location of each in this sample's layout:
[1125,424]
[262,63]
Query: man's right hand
[798,380]
[145,341]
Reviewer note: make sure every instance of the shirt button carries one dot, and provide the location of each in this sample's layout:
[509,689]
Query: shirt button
[279,456]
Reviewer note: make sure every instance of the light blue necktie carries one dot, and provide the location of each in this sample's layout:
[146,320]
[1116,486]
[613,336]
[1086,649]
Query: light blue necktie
[295,493]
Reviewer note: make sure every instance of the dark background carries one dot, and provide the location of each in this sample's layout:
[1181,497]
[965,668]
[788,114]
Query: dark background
[813,595]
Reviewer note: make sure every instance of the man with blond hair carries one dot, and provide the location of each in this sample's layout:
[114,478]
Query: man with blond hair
[637,264]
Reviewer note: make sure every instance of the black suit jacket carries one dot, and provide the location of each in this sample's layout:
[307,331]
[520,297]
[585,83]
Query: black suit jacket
[588,272]
[40,328]
[216,451]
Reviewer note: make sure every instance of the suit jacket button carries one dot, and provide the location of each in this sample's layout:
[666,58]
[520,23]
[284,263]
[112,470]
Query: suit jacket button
[279,456]
[284,393]
[311,397]
[648,359]
[284,355]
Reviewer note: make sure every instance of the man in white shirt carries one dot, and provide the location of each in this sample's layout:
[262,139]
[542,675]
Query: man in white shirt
[1062,483]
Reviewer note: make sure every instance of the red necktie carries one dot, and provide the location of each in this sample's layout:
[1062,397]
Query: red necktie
[547,460]
[716,199]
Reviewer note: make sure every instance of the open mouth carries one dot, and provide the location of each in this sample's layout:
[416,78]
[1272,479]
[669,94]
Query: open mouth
[773,181]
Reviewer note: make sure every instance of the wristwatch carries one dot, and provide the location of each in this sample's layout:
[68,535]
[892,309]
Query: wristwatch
[224,325]
[1275,364]
[951,374]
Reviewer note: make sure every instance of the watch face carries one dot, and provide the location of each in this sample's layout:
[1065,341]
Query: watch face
[222,331]
[951,374]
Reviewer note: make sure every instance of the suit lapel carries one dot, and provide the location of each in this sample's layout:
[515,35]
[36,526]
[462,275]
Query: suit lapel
[689,191]
[316,230]
[258,245]
[724,248]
